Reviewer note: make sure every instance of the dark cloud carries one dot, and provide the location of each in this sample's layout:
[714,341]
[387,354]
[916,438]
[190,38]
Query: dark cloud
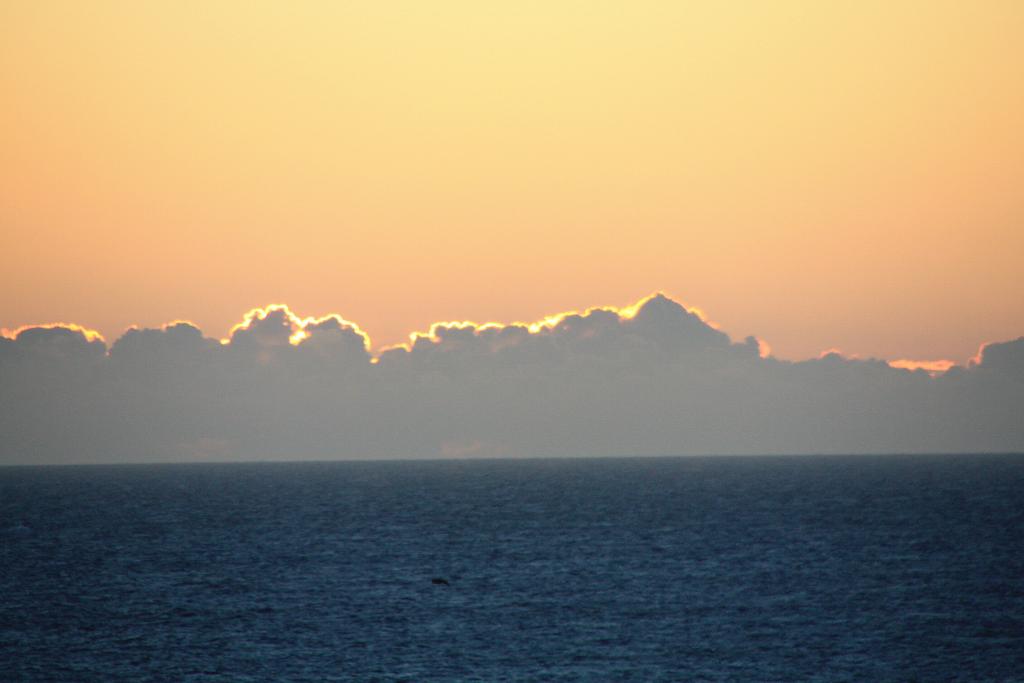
[178,343]
[653,379]
[1006,358]
[55,344]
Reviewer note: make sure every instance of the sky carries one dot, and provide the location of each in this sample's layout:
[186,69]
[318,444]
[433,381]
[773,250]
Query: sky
[264,230]
[821,175]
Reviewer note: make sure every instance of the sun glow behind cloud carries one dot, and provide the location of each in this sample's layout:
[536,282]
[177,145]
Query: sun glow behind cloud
[932,367]
[546,323]
[300,329]
[90,335]
[299,326]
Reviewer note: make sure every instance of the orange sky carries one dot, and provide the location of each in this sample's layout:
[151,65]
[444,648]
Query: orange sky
[819,174]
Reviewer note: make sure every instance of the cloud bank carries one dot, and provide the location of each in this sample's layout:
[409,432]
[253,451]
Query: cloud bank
[651,379]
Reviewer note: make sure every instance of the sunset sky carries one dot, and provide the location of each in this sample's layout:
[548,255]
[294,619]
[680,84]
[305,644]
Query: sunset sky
[821,175]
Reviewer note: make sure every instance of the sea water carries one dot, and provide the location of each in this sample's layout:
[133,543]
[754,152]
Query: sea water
[754,568]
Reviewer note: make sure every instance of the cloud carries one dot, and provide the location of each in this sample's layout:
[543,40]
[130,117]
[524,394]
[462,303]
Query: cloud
[652,378]
[1006,358]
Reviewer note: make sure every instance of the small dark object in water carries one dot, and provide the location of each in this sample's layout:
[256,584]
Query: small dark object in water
[437,581]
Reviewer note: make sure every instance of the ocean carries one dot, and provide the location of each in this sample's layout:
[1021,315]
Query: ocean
[831,568]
